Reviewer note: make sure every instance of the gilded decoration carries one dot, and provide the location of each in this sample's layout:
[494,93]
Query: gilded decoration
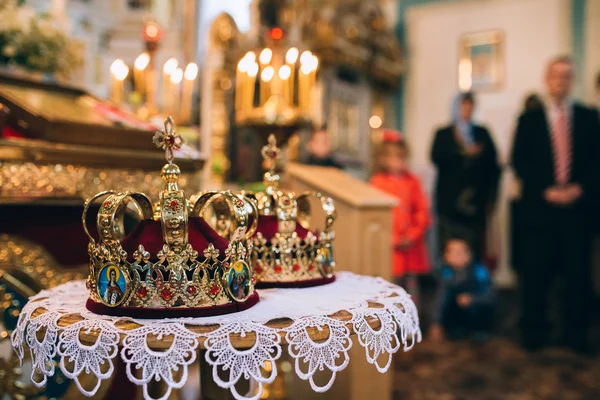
[175,275]
[30,180]
[355,34]
[25,268]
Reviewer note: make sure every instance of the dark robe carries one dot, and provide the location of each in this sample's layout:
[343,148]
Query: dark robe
[555,240]
[466,185]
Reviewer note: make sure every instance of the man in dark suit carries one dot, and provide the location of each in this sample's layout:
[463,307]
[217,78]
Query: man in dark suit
[556,157]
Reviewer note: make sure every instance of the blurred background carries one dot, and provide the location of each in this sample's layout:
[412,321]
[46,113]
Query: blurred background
[84,84]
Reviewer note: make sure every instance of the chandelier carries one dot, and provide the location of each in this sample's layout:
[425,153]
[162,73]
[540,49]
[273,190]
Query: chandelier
[275,85]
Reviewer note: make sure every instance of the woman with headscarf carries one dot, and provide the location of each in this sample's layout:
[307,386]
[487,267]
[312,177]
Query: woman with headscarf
[468,173]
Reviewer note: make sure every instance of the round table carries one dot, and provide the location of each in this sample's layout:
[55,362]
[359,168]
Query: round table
[316,324]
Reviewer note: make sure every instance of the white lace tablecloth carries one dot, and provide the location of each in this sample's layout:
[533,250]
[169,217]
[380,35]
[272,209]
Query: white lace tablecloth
[361,296]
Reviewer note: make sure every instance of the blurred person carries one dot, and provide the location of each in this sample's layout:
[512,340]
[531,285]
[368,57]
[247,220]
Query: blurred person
[410,216]
[468,173]
[532,102]
[465,298]
[319,149]
[555,156]
[598,91]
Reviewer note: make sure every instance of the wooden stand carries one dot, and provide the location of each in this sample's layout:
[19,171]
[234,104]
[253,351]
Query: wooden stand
[363,226]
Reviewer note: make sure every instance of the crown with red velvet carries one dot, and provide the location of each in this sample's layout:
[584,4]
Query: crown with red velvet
[286,253]
[173,263]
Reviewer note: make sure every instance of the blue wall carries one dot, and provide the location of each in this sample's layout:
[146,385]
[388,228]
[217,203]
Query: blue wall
[578,32]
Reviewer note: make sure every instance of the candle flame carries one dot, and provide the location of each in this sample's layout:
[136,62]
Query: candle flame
[306,57]
[176,76]
[142,61]
[253,70]
[250,56]
[170,66]
[267,74]
[284,72]
[315,63]
[243,65]
[291,56]
[265,56]
[119,70]
[191,71]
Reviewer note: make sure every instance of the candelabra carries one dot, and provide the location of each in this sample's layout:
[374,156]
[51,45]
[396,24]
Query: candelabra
[177,85]
[275,87]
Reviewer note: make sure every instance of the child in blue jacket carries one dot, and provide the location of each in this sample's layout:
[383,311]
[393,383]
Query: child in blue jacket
[465,297]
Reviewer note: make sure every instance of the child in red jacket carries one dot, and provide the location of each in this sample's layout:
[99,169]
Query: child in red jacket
[411,215]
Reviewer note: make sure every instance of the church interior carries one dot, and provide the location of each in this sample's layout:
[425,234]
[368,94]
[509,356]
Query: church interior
[442,130]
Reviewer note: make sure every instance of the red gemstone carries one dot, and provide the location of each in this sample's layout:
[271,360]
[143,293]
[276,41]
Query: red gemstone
[166,294]
[254,280]
[311,267]
[170,139]
[277,269]
[142,292]
[106,204]
[174,204]
[296,268]
[258,270]
[191,290]
[214,290]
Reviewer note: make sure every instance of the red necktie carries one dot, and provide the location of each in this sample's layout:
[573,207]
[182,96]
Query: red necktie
[561,143]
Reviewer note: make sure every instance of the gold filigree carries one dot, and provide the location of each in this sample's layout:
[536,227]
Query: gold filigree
[25,268]
[30,180]
[287,257]
[174,277]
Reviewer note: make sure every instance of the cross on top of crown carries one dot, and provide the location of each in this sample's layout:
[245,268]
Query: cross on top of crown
[270,153]
[168,139]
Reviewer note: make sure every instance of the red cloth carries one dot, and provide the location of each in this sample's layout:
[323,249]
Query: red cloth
[9,132]
[175,312]
[411,221]
[149,234]
[55,228]
[268,226]
[296,284]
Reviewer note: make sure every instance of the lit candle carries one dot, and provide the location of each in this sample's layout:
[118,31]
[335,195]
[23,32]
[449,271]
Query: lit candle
[240,75]
[265,56]
[314,64]
[265,84]
[242,90]
[169,67]
[139,73]
[251,84]
[191,71]
[290,58]
[119,72]
[304,85]
[175,94]
[284,75]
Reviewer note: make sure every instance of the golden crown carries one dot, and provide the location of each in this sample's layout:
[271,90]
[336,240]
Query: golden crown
[286,252]
[173,260]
